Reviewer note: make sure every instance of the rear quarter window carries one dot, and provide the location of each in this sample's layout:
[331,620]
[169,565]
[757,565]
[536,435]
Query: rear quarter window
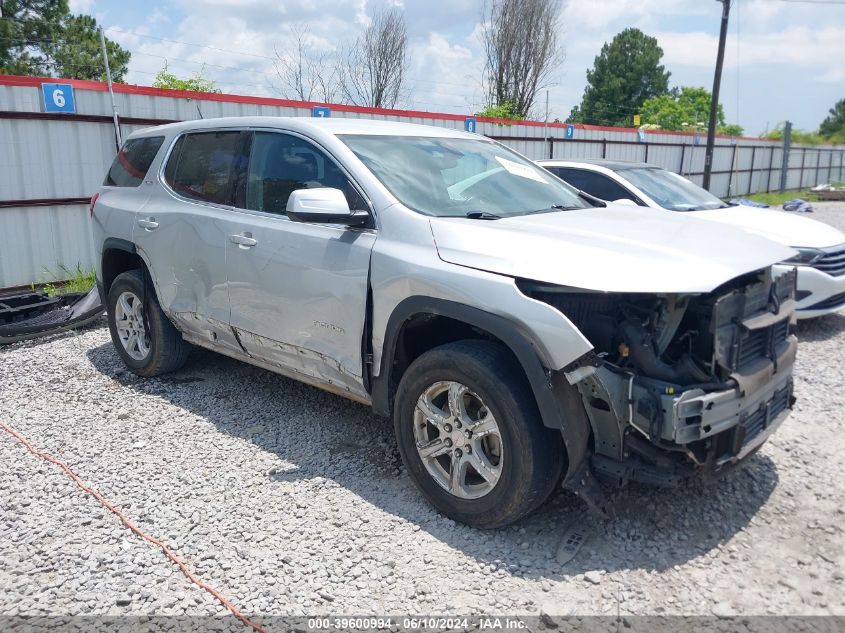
[132,162]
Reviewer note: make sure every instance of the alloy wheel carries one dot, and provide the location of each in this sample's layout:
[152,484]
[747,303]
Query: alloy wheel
[129,323]
[458,440]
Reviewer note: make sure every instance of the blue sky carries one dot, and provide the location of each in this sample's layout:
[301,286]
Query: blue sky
[784,59]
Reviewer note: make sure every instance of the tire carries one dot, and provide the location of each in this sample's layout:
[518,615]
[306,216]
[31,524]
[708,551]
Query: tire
[518,477]
[158,347]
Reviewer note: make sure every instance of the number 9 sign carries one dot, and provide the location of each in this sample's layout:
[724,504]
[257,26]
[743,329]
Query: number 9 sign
[58,98]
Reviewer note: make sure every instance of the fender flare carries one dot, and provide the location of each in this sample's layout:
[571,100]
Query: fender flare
[558,409]
[112,244]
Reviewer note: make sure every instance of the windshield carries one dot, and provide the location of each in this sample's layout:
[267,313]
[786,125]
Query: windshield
[670,190]
[456,176]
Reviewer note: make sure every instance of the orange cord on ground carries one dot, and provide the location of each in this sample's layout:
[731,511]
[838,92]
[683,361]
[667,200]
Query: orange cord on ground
[167,551]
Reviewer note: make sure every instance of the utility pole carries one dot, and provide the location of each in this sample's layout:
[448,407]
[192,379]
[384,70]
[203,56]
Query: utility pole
[546,128]
[784,163]
[117,137]
[714,102]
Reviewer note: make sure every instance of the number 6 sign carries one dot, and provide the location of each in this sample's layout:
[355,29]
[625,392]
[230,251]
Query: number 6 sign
[58,98]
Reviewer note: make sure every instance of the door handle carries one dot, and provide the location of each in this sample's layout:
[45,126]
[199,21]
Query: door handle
[149,224]
[243,240]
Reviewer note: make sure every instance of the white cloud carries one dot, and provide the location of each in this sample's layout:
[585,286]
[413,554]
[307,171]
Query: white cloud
[80,6]
[580,15]
[797,46]
[444,75]
[793,47]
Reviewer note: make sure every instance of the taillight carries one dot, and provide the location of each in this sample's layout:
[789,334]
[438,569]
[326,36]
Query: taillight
[93,202]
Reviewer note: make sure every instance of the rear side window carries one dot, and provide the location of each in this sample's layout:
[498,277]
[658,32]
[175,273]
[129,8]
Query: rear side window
[597,185]
[133,161]
[202,165]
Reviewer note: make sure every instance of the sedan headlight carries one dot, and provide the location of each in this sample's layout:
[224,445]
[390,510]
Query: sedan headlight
[805,256]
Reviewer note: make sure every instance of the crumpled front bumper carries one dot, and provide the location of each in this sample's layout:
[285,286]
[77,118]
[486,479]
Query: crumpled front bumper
[694,415]
[666,437]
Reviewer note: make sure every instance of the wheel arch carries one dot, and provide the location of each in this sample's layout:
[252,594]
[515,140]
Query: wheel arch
[118,256]
[558,409]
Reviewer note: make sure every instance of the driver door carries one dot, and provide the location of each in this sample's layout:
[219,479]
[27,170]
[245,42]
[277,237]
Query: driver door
[297,291]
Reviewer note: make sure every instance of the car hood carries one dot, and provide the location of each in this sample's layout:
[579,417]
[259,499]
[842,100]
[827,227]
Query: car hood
[779,226]
[612,249]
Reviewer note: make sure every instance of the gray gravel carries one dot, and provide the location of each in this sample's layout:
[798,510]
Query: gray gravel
[291,501]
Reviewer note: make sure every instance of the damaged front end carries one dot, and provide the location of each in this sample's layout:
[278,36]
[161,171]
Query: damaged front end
[679,384]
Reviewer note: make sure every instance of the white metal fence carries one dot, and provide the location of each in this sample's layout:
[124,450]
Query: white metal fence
[51,163]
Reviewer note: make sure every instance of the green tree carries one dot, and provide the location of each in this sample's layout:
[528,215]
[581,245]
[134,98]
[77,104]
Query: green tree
[165,79]
[506,110]
[80,56]
[732,129]
[42,38]
[24,28]
[798,136]
[626,73]
[686,108]
[833,127]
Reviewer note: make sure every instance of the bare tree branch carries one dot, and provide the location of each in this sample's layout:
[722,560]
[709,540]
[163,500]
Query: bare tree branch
[372,70]
[522,48]
[306,75]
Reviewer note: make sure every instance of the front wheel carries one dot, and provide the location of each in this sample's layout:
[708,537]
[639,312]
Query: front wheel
[470,434]
[143,336]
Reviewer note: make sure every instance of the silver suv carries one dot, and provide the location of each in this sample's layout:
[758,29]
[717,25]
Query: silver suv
[520,333]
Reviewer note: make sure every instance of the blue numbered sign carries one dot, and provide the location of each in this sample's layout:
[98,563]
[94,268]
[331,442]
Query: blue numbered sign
[58,98]
[321,111]
[470,124]
[641,135]
[570,131]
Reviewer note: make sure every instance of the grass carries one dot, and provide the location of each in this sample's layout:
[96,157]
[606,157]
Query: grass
[65,280]
[776,199]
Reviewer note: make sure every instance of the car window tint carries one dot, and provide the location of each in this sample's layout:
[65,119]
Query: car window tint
[133,161]
[280,164]
[595,184]
[201,165]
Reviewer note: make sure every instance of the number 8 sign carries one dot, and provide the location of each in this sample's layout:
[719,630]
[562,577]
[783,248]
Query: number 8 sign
[58,98]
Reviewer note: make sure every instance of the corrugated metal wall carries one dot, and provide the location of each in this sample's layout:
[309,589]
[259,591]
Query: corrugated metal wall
[63,159]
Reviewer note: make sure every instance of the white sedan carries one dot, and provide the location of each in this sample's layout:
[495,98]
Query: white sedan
[821,248]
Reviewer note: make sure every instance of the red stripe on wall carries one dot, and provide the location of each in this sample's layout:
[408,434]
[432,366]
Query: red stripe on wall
[99,86]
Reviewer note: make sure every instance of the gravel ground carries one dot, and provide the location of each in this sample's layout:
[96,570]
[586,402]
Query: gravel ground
[291,501]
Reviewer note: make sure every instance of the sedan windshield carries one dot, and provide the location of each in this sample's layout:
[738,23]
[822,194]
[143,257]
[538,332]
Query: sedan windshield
[670,190]
[461,177]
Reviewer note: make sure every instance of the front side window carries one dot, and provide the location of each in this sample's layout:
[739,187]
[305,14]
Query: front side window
[133,161]
[670,190]
[595,184]
[457,176]
[202,165]
[279,164]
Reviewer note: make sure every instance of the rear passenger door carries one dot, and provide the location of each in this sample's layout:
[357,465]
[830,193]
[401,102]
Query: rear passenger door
[181,231]
[298,292]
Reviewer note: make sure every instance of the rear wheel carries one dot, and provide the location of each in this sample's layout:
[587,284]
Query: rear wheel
[143,336]
[470,434]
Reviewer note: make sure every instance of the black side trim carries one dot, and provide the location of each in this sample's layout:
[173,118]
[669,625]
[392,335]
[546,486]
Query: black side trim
[112,244]
[117,244]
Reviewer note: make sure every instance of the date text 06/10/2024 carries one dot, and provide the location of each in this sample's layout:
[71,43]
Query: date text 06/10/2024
[415,623]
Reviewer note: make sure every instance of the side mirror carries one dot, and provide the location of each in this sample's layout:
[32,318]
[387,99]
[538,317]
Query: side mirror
[323,205]
[625,201]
